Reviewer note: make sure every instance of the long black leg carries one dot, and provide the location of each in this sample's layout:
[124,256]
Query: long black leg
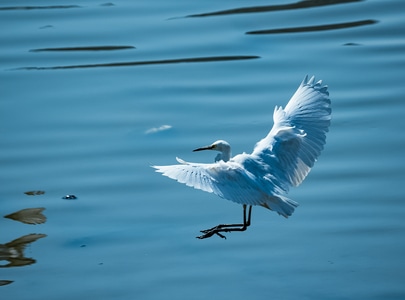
[228,227]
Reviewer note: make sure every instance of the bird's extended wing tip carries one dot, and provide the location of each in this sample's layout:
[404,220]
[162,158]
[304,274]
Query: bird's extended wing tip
[307,80]
[181,161]
[311,81]
[159,168]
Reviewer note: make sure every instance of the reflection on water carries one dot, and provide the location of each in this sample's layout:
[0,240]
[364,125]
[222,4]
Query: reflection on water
[314,28]
[34,193]
[31,216]
[89,48]
[38,7]
[150,62]
[13,252]
[5,282]
[158,129]
[267,8]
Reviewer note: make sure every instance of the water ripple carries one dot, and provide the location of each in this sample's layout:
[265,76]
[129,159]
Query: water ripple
[148,62]
[314,28]
[39,7]
[267,8]
[88,48]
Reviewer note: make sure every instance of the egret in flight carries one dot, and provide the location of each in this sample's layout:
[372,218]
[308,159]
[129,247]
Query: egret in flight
[280,160]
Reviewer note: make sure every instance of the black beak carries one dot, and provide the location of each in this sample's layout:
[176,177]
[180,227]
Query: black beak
[203,148]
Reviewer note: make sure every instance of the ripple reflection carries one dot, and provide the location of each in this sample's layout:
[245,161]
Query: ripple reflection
[314,28]
[38,7]
[31,216]
[13,252]
[267,8]
[88,48]
[148,62]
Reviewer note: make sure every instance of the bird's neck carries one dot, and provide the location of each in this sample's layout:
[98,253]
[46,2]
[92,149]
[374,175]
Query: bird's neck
[223,155]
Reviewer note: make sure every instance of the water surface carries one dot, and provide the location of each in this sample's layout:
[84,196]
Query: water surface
[92,94]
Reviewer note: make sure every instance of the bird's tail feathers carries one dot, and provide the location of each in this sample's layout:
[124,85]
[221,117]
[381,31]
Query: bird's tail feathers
[280,204]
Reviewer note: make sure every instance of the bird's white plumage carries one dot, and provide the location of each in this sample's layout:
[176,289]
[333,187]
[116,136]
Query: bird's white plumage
[280,160]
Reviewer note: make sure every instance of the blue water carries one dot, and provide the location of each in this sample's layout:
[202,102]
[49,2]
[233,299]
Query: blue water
[161,79]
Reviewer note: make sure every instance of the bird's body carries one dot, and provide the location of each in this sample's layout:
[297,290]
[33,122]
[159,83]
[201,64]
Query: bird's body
[280,160]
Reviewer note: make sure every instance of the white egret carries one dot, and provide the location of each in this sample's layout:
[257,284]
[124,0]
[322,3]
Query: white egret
[280,160]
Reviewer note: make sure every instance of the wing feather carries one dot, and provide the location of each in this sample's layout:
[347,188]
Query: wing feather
[299,133]
[280,160]
[233,181]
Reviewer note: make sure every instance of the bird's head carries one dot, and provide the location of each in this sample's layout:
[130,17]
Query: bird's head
[222,146]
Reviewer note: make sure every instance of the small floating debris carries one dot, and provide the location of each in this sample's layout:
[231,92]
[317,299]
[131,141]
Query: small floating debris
[31,216]
[34,193]
[69,197]
[158,129]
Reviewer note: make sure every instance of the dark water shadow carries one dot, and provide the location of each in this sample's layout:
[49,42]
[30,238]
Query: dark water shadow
[268,8]
[39,7]
[88,48]
[314,28]
[13,252]
[144,63]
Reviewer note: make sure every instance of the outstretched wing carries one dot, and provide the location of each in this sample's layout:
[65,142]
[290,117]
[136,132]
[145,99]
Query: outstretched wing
[232,180]
[298,134]
[283,158]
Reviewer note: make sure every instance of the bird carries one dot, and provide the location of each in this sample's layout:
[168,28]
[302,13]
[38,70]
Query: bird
[280,160]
